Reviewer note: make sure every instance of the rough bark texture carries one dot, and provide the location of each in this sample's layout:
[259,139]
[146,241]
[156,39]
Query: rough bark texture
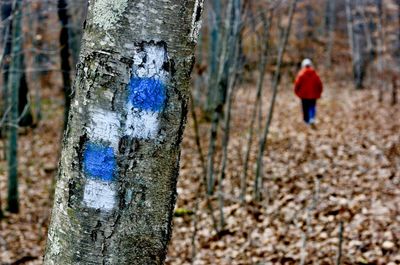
[116,187]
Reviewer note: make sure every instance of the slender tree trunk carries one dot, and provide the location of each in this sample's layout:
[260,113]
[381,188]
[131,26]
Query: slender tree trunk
[6,11]
[350,32]
[24,110]
[14,81]
[233,54]
[331,32]
[214,95]
[309,30]
[78,11]
[203,163]
[64,55]
[355,28]
[275,83]
[397,50]
[215,117]
[220,100]
[394,89]
[380,45]
[116,187]
[264,40]
[34,26]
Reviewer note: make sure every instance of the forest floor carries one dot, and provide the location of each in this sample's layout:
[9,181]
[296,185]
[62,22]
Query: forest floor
[347,170]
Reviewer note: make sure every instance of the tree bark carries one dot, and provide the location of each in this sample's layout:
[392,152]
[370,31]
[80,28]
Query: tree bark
[116,186]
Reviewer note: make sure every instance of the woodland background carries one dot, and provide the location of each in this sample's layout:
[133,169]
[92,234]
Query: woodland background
[256,186]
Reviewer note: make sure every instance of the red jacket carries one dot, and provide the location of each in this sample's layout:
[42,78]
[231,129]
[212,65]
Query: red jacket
[308,85]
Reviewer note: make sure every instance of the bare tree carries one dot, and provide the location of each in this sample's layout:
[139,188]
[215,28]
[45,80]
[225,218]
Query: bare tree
[264,43]
[275,83]
[234,8]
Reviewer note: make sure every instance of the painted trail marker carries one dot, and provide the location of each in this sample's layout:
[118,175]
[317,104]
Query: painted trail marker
[147,92]
[99,162]
[104,127]
[145,101]
[99,159]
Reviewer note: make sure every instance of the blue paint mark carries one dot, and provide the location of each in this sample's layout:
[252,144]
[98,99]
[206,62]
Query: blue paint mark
[147,94]
[99,161]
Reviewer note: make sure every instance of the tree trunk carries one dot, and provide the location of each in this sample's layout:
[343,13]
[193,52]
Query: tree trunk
[331,32]
[264,40]
[350,32]
[116,186]
[394,89]
[397,49]
[78,11]
[380,45]
[275,84]
[233,54]
[14,81]
[355,29]
[6,10]
[23,107]
[64,55]
[214,95]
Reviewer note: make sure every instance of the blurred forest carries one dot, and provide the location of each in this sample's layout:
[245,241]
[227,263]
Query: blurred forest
[256,185]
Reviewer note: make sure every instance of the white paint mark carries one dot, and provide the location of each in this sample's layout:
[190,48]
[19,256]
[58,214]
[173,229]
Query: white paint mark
[104,126]
[106,14]
[149,62]
[196,21]
[141,124]
[99,194]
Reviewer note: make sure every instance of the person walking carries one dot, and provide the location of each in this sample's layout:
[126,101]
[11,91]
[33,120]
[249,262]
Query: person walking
[308,87]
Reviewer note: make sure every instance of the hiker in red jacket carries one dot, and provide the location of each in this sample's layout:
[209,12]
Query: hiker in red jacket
[308,87]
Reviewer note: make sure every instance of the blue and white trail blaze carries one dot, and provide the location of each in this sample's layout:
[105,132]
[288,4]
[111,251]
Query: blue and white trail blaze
[146,99]
[99,159]
[147,92]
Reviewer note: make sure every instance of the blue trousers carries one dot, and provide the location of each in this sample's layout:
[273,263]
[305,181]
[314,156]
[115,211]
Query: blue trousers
[309,110]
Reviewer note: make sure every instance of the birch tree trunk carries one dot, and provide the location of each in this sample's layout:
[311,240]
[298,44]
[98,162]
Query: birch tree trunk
[116,186]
